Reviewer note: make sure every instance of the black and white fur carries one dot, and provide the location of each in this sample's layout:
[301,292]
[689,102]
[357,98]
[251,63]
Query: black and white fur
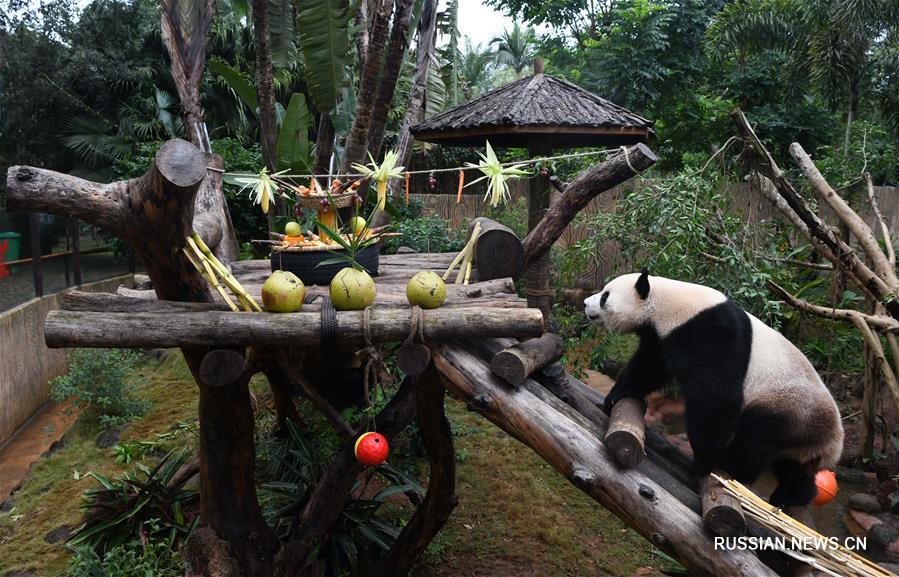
[753,401]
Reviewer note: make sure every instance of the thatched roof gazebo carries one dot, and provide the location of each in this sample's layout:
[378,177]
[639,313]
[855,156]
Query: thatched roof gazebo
[540,113]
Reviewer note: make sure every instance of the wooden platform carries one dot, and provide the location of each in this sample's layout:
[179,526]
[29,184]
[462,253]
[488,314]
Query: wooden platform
[135,318]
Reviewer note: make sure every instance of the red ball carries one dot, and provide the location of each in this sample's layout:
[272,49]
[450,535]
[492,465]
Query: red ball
[826,482]
[371,449]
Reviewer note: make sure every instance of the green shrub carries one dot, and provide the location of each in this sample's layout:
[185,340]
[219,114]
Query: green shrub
[148,503]
[100,382]
[133,559]
[425,234]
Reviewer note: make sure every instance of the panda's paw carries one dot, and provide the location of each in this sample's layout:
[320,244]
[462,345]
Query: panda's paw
[609,403]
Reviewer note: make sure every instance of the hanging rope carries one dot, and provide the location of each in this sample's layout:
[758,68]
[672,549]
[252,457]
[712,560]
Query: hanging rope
[373,364]
[346,175]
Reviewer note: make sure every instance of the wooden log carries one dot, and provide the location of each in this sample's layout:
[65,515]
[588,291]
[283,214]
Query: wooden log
[413,358]
[518,362]
[226,329]
[221,367]
[578,455]
[625,437]
[798,568]
[440,499]
[579,192]
[721,512]
[117,303]
[498,252]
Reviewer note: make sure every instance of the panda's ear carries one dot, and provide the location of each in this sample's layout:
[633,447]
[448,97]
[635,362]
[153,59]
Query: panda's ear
[642,285]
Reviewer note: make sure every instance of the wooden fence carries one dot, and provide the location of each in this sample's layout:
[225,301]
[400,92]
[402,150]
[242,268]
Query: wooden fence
[747,201]
[26,364]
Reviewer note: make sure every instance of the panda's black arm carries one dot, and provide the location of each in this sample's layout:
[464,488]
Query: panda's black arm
[643,374]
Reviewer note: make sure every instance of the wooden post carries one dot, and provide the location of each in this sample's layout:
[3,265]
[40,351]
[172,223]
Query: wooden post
[36,264]
[721,512]
[537,288]
[498,252]
[518,362]
[76,250]
[625,436]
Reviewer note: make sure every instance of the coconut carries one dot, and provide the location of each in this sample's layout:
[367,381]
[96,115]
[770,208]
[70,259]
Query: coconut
[293,228]
[352,290]
[283,292]
[426,289]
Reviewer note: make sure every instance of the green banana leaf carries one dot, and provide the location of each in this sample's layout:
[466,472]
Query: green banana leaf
[293,137]
[324,31]
[240,85]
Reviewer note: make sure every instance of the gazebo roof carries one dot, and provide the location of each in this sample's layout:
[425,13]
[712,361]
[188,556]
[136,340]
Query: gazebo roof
[537,110]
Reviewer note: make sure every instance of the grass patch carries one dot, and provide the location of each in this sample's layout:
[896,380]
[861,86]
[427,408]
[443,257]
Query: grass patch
[516,514]
[51,494]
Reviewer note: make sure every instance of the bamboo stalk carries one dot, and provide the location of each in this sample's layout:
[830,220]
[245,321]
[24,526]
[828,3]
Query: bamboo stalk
[226,275]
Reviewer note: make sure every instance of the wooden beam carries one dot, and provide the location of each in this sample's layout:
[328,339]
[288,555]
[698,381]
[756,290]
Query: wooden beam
[226,329]
[721,512]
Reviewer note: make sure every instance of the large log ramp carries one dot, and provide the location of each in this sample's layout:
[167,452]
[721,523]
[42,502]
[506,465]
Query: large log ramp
[154,214]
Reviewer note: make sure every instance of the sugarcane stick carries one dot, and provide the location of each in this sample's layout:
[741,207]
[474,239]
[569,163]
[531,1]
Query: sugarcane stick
[465,255]
[226,275]
[207,275]
[213,279]
[468,272]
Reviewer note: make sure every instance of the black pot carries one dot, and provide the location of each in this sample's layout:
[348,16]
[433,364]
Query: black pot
[305,264]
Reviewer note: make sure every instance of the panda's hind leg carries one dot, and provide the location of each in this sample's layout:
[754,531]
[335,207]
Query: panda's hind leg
[750,452]
[795,484]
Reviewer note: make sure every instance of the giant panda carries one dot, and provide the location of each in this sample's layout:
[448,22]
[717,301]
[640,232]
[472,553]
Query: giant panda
[753,401]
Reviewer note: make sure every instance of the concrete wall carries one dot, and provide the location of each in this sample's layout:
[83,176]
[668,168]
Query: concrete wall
[26,364]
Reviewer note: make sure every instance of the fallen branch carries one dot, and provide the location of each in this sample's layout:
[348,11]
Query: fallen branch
[882,323]
[884,229]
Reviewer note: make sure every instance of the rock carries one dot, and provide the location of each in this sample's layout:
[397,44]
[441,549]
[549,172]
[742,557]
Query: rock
[864,502]
[864,520]
[22,573]
[110,437]
[61,533]
[142,282]
[850,475]
[405,250]
[882,542]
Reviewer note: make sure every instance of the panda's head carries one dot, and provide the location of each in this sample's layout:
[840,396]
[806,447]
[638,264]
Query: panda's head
[623,304]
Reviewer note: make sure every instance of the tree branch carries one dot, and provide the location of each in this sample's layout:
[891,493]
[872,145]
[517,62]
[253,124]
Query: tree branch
[882,323]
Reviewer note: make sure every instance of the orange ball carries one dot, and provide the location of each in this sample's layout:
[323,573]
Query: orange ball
[826,482]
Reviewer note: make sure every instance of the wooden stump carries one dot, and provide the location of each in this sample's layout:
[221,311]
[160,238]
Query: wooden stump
[721,512]
[498,252]
[625,437]
[518,362]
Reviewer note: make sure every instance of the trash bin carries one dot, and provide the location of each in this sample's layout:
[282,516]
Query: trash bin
[10,241]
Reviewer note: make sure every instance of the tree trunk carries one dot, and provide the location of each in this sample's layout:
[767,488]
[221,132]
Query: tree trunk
[590,183]
[393,63]
[324,144]
[427,26]
[154,214]
[537,289]
[354,152]
[265,93]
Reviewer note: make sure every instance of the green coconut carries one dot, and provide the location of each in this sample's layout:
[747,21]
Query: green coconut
[426,289]
[293,229]
[283,292]
[352,290]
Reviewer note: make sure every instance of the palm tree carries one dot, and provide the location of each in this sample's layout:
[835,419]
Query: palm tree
[838,45]
[475,66]
[515,48]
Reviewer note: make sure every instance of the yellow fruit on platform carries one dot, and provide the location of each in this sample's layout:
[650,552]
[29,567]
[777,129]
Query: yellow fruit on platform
[293,229]
[283,292]
[352,290]
[426,289]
